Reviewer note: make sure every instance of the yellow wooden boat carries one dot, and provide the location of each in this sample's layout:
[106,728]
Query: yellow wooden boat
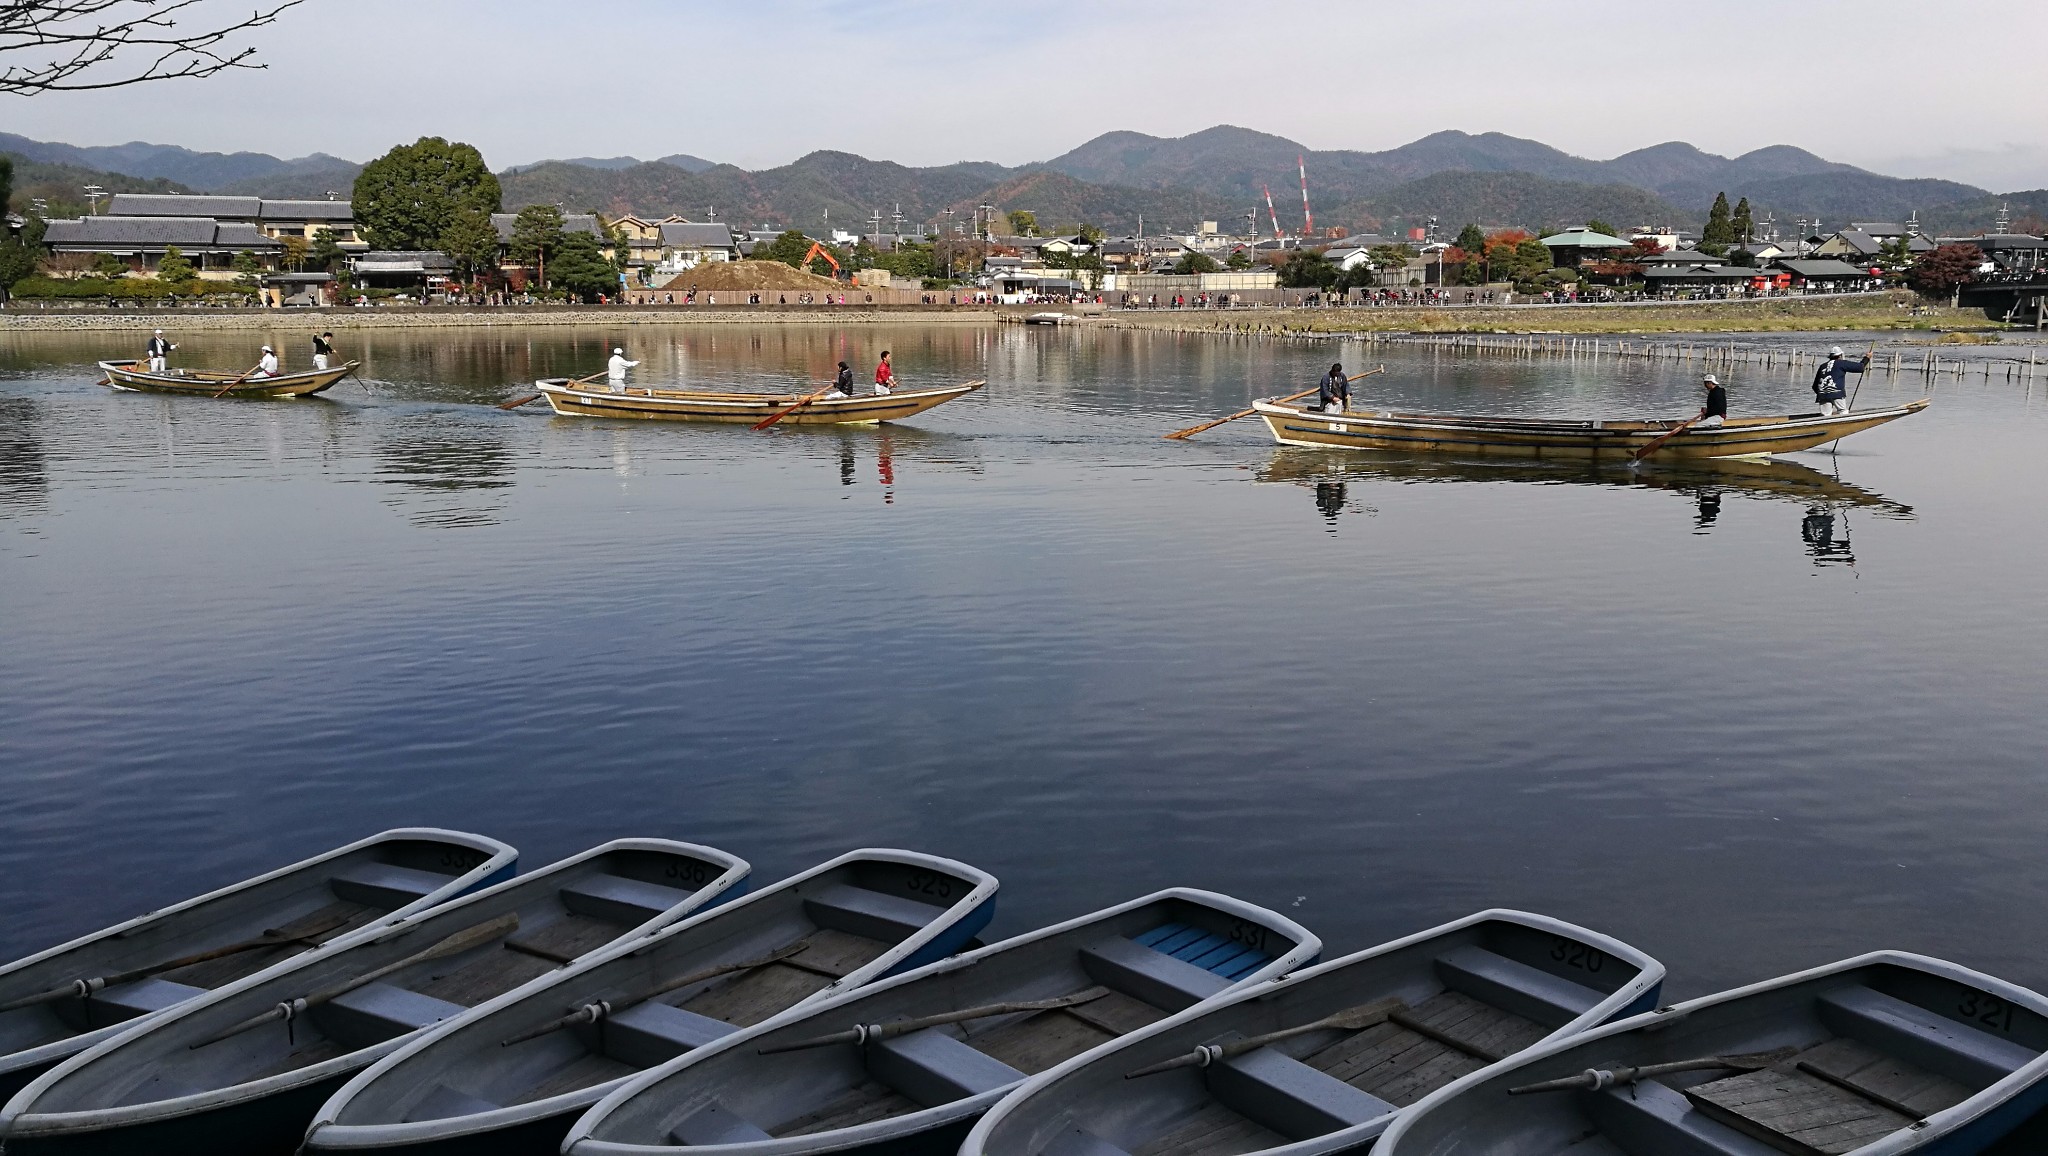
[574,399]
[213,383]
[1741,437]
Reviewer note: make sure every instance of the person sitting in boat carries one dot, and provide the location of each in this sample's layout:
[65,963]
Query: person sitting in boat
[1333,392]
[842,386]
[1715,412]
[1830,387]
[615,370]
[323,348]
[159,353]
[266,366]
[885,376]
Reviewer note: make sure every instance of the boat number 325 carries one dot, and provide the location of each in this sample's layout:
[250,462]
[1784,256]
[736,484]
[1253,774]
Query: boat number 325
[1988,1010]
[1575,954]
[930,883]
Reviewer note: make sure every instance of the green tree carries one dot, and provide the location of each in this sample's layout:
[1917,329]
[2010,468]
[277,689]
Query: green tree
[406,198]
[295,252]
[248,271]
[108,265]
[1599,226]
[1720,231]
[1023,222]
[1532,259]
[327,253]
[18,255]
[1471,239]
[864,255]
[1741,224]
[621,247]
[580,267]
[6,184]
[1238,259]
[1192,263]
[1306,269]
[789,248]
[175,267]
[471,241]
[536,237]
[1090,234]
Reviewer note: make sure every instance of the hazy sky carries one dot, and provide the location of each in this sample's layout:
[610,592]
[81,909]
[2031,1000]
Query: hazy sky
[935,81]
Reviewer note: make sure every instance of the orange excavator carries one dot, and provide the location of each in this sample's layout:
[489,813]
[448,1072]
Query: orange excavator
[818,250]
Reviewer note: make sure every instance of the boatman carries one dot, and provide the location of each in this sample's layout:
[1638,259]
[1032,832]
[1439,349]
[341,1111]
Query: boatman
[1333,392]
[1830,381]
[1715,412]
[885,376]
[842,386]
[323,348]
[615,370]
[266,366]
[159,352]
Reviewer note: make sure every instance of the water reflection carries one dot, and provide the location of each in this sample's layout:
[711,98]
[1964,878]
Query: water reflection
[445,465]
[1828,544]
[24,484]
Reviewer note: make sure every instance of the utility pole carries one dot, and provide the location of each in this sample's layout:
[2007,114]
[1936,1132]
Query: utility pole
[93,193]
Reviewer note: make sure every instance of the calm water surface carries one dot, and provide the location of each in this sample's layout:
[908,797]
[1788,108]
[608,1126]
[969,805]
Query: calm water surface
[1749,719]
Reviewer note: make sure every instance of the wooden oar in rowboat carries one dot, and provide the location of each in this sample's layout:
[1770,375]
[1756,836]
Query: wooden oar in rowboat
[1658,443]
[1352,1019]
[1184,434]
[590,1013]
[868,1033]
[230,385]
[801,402]
[516,402]
[455,944]
[1595,1079]
[82,988]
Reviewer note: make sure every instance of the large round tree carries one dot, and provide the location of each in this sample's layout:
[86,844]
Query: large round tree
[407,198]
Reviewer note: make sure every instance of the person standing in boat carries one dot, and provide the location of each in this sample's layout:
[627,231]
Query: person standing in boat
[1830,382]
[323,348]
[615,370]
[842,386]
[159,353]
[1333,392]
[885,376]
[1715,412]
[266,366]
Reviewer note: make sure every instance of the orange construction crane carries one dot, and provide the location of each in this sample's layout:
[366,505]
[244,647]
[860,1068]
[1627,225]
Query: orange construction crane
[818,250]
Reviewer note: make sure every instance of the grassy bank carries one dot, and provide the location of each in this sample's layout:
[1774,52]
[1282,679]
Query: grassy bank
[1801,314]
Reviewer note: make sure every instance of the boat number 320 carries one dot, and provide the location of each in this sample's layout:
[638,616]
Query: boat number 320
[930,883]
[1575,954]
[1988,1010]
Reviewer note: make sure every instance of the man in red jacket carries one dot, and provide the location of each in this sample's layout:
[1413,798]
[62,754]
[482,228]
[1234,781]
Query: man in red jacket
[885,376]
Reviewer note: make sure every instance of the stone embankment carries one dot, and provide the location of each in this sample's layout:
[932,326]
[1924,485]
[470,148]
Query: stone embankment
[18,318]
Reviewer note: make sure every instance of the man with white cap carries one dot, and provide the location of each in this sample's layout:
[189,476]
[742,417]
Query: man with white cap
[1830,387]
[615,370]
[266,366]
[1715,412]
[159,352]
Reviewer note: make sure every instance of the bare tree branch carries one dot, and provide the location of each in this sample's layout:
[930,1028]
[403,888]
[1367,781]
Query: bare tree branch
[84,45]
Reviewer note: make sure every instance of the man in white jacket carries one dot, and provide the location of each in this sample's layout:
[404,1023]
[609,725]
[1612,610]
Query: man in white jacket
[615,370]
[266,366]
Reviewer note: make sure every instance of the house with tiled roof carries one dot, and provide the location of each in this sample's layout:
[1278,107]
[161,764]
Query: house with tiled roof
[210,244]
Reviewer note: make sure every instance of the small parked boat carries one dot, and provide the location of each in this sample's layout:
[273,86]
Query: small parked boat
[1298,425]
[911,1063]
[61,1001]
[574,399]
[241,1069]
[1882,1055]
[512,1076]
[214,383]
[1325,1059]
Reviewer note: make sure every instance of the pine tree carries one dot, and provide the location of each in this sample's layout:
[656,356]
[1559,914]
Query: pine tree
[1719,233]
[175,267]
[1471,239]
[1743,224]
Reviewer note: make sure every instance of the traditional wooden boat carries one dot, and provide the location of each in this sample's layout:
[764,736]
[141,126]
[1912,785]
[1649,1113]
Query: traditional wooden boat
[241,1069]
[908,1065]
[511,1077]
[61,1001]
[1297,425]
[574,399]
[1881,1055]
[213,383]
[1325,1059]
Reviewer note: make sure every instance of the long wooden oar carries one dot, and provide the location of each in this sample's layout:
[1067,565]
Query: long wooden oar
[1351,1019]
[1594,1079]
[230,385]
[590,1013]
[455,944]
[82,988]
[801,402]
[1658,443]
[516,402]
[868,1033]
[1184,434]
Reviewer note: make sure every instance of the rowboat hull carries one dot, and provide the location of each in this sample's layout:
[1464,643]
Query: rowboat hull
[570,399]
[35,1039]
[1139,962]
[1512,437]
[1887,1054]
[188,1080]
[125,375]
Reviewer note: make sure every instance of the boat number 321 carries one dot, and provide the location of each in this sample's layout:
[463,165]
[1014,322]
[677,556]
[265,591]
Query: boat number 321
[930,883]
[1988,1010]
[1574,954]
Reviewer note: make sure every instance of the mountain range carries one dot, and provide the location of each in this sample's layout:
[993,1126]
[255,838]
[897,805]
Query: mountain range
[1217,174]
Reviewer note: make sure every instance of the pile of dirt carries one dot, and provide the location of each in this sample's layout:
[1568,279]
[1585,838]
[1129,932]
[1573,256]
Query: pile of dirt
[746,276]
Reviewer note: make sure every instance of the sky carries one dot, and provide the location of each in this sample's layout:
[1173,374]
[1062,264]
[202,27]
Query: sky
[926,82]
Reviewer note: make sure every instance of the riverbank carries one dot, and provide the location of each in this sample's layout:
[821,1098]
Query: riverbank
[316,320]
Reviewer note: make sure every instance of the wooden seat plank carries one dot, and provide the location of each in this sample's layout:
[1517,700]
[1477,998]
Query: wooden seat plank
[492,975]
[754,995]
[566,939]
[1796,1112]
[1891,1082]
[1117,1013]
[865,1104]
[1213,1131]
[1038,1042]
[833,953]
[229,968]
